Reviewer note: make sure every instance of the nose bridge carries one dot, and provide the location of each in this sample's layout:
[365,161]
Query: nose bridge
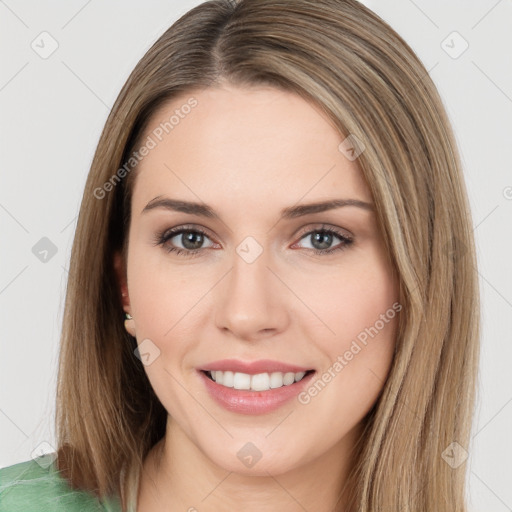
[250,298]
[250,277]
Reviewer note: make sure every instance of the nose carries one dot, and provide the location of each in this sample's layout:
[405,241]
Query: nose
[250,300]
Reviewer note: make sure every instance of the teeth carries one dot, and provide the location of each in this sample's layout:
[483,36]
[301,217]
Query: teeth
[258,382]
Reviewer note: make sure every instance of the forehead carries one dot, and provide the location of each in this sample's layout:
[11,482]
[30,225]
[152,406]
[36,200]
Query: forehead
[249,144]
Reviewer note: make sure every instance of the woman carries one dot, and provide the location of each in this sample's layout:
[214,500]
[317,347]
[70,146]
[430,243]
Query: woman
[277,205]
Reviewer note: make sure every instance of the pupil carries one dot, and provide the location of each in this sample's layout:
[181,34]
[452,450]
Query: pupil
[188,240]
[327,237]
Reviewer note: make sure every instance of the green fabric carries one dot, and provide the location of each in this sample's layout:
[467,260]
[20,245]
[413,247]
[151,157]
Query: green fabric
[36,486]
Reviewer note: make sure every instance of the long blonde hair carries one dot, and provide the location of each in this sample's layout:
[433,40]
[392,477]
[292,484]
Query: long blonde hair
[370,84]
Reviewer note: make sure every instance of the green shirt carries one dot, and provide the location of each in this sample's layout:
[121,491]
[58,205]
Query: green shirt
[36,486]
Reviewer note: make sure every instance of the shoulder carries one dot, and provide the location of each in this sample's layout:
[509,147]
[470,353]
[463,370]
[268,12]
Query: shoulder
[36,486]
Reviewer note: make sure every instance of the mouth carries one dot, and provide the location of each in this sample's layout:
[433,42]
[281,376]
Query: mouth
[264,381]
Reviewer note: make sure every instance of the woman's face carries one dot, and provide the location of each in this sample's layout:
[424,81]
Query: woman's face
[266,283]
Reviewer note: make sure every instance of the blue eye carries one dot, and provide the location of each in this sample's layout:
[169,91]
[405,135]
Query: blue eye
[189,236]
[324,237]
[193,237]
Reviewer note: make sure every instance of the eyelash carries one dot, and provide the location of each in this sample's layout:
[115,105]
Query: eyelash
[162,237]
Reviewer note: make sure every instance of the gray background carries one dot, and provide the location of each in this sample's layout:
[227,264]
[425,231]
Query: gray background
[52,111]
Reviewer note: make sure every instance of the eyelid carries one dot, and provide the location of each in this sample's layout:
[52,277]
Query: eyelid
[327,227]
[186,227]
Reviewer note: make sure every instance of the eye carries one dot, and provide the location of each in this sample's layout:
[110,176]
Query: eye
[190,238]
[322,239]
[193,238]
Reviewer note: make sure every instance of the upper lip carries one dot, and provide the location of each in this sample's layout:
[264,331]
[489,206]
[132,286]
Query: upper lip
[253,367]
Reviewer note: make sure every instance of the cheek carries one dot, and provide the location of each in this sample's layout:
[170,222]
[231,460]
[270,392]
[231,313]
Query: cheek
[358,369]
[161,291]
[351,298]
[359,305]
[364,315]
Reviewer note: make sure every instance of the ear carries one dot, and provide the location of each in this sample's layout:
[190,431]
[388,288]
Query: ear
[120,270]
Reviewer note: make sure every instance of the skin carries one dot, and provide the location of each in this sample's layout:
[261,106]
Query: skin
[249,152]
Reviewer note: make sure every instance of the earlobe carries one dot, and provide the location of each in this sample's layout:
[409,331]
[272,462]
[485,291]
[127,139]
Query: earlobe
[129,325]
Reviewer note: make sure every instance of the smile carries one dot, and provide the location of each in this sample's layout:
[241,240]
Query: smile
[259,382]
[254,394]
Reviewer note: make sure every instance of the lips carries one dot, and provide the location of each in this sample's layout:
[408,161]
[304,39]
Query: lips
[253,367]
[266,398]
[253,402]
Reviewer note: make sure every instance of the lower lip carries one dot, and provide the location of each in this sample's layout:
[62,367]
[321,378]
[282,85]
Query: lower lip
[253,402]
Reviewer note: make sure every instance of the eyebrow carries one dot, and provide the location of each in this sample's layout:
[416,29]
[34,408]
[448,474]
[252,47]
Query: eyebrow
[291,212]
